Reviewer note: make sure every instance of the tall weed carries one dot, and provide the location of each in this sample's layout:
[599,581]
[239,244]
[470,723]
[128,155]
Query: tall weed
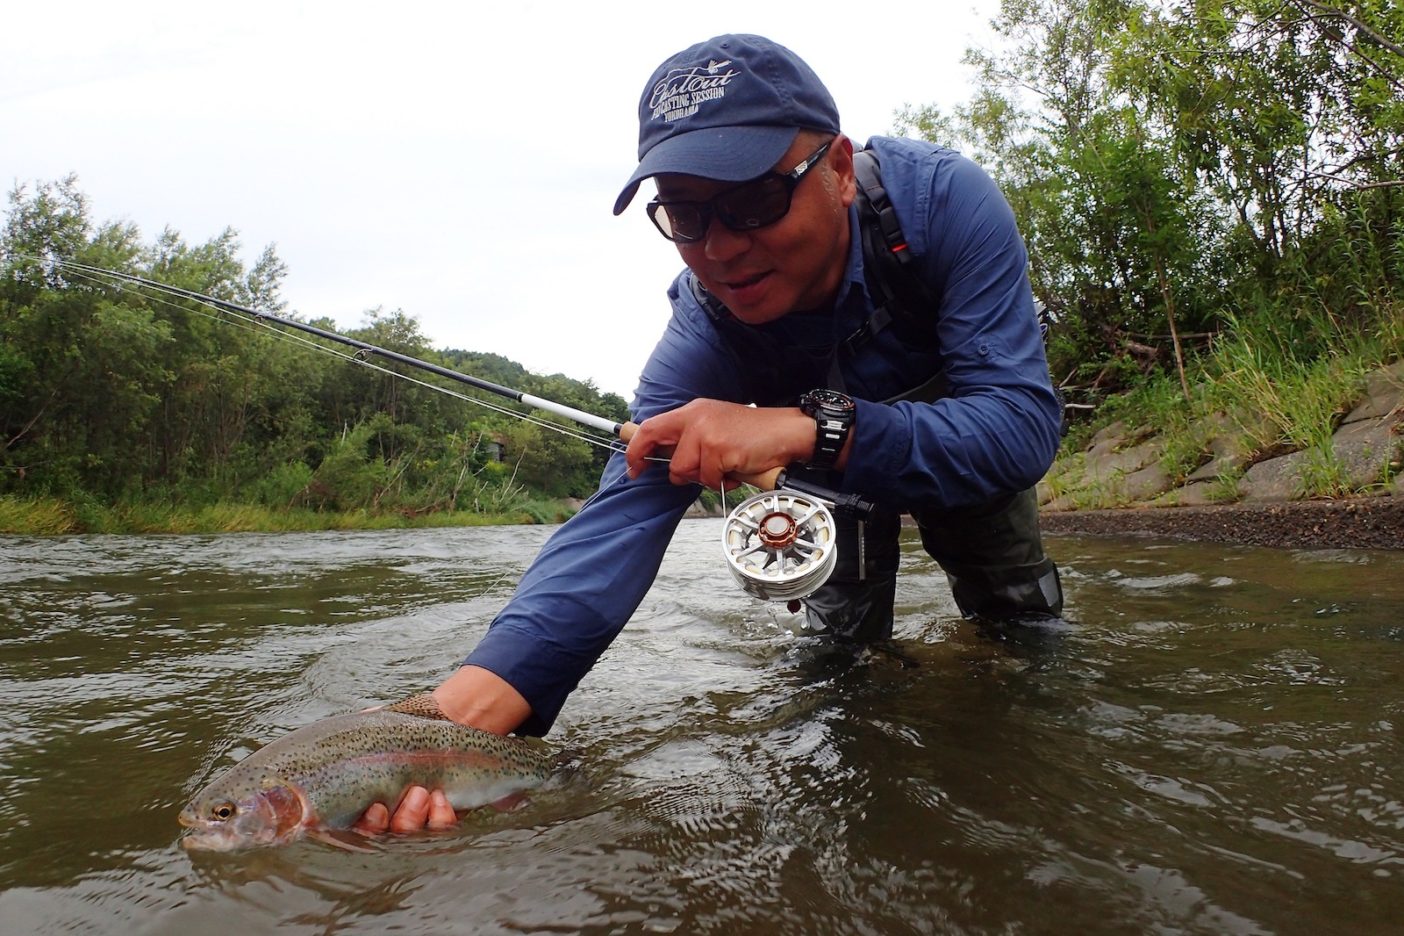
[37,517]
[1284,374]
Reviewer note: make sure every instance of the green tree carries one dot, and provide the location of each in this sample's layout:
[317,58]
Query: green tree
[113,390]
[1173,164]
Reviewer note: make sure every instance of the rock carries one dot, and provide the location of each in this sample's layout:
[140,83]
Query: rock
[1231,454]
[1113,435]
[1384,395]
[1366,449]
[1107,465]
[1147,483]
[1120,465]
[1194,494]
[1115,438]
[1234,443]
[1273,480]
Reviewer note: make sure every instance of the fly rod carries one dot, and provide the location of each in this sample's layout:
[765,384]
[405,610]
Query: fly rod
[779,544]
[622,431]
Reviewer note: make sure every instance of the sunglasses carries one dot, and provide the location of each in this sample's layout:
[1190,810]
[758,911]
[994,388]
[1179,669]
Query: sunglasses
[744,207]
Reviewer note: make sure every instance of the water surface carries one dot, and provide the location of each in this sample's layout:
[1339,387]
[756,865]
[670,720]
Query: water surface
[1212,746]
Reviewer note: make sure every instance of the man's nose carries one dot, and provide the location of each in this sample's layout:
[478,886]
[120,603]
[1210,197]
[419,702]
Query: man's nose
[722,243]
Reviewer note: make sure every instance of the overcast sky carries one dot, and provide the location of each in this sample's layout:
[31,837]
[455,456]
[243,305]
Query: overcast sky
[456,162]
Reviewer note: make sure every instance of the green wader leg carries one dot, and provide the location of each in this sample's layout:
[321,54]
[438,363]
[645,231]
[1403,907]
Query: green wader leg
[993,558]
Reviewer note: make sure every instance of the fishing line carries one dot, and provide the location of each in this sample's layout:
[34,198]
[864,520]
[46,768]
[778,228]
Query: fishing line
[600,423]
[244,322]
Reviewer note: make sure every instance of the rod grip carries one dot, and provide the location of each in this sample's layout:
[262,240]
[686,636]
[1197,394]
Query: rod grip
[766,480]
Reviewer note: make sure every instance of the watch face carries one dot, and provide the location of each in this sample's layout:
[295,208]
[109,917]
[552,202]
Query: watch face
[830,398]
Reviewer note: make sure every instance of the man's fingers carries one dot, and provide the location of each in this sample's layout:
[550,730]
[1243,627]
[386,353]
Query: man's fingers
[647,440]
[413,811]
[685,462]
[441,814]
[418,810]
[374,821]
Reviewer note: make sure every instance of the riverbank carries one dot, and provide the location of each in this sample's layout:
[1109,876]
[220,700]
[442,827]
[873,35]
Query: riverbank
[1355,523]
[57,517]
[1233,478]
[1227,479]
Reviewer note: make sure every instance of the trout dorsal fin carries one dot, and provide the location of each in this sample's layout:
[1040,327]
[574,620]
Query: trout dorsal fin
[422,705]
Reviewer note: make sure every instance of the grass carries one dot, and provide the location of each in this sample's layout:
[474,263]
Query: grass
[40,517]
[1284,380]
[52,516]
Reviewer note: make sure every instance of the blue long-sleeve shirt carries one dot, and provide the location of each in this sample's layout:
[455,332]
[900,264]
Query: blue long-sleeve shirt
[994,433]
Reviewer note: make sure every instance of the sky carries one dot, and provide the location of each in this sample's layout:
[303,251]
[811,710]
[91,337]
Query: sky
[456,162]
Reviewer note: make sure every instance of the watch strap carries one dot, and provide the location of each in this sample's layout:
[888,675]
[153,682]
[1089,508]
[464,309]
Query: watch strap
[833,420]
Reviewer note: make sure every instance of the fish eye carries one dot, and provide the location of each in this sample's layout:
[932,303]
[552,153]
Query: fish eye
[223,811]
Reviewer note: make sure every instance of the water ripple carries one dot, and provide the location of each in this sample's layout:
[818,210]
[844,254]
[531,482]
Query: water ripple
[1211,745]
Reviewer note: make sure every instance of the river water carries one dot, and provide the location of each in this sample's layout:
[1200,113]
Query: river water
[1212,745]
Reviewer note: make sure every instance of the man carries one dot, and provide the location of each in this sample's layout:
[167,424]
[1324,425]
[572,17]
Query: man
[950,417]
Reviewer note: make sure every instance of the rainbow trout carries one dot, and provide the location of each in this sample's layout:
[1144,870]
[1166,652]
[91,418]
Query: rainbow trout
[324,775]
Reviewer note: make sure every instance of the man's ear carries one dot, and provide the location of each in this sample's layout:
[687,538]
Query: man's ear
[841,161]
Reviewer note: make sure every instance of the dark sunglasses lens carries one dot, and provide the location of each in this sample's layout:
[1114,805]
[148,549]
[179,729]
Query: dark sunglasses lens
[763,202]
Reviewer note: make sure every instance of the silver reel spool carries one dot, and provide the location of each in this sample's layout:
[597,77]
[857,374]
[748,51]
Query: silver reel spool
[780,545]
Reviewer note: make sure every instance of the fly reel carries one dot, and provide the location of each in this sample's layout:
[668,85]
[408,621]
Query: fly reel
[780,544]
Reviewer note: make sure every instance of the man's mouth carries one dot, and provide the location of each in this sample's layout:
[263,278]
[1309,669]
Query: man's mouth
[742,283]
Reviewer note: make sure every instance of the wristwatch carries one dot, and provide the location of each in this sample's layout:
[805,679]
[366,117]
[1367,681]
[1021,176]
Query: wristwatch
[833,418]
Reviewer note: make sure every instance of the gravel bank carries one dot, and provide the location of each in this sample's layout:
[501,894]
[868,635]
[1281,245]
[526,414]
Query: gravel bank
[1361,523]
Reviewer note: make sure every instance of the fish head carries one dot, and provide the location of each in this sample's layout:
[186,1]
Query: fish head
[228,817]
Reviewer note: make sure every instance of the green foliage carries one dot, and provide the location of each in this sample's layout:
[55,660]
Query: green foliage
[283,486]
[142,411]
[1300,372]
[1279,383]
[557,465]
[1176,167]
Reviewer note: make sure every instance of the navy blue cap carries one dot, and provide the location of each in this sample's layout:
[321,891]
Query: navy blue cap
[726,109]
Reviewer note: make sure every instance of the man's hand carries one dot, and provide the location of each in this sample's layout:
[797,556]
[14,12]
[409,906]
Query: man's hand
[418,809]
[474,697]
[711,440]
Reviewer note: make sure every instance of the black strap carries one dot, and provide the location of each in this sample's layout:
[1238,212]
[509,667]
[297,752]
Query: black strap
[902,299]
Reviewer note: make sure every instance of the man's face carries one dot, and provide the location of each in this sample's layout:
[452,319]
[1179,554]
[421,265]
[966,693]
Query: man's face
[795,263]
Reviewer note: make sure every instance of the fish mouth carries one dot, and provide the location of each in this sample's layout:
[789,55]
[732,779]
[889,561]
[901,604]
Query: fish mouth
[207,842]
[199,837]
[203,835]
[217,837]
